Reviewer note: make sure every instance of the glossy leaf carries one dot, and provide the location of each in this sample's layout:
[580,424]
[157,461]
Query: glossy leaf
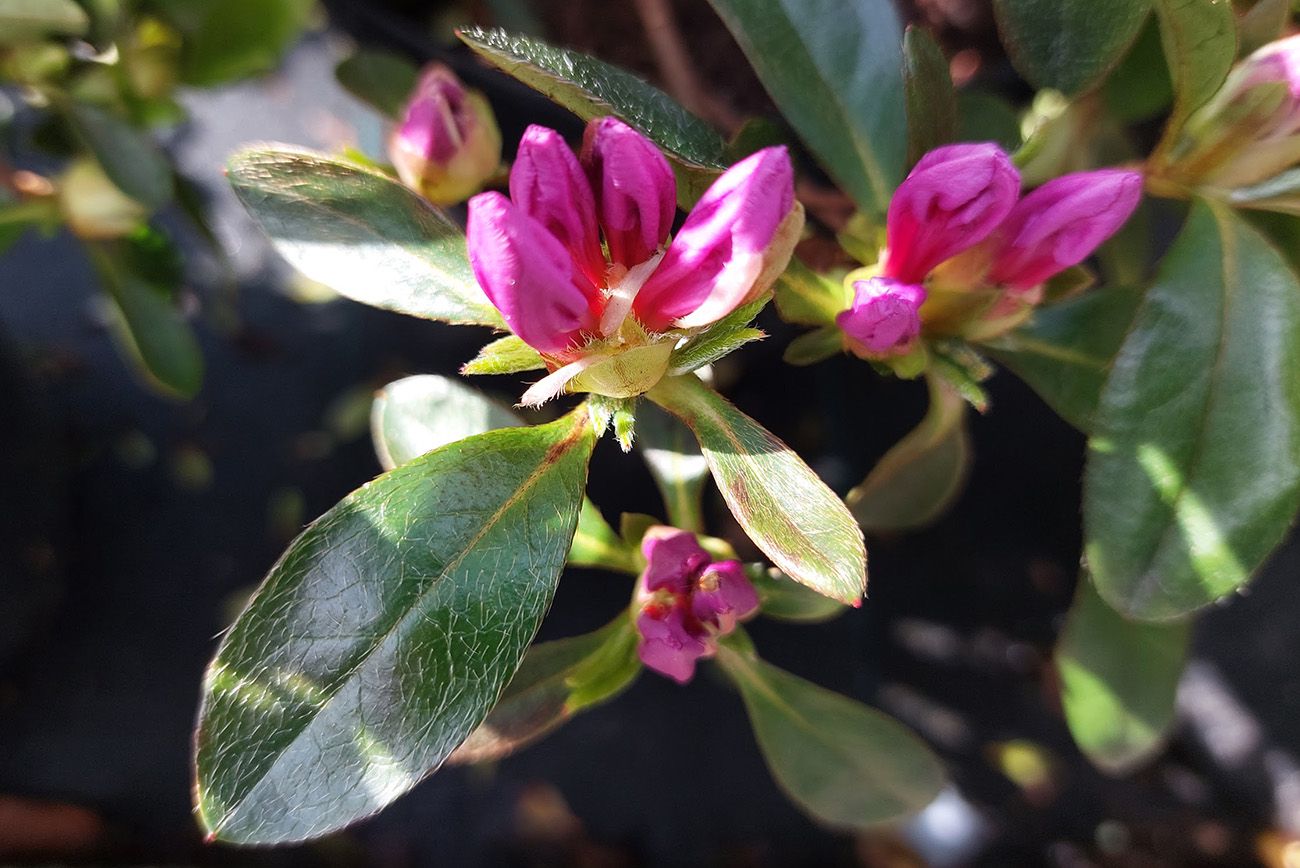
[1119,680]
[381,79]
[555,681]
[784,599]
[1200,40]
[835,70]
[677,466]
[783,506]
[848,765]
[923,473]
[386,633]
[362,234]
[128,156]
[418,414]
[591,88]
[1065,352]
[931,99]
[1068,45]
[29,20]
[1193,471]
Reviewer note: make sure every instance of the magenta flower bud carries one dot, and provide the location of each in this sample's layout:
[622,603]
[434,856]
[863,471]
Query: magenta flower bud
[719,259]
[447,144]
[549,185]
[668,644]
[885,317]
[673,558]
[529,276]
[1060,224]
[723,595]
[953,199]
[636,194]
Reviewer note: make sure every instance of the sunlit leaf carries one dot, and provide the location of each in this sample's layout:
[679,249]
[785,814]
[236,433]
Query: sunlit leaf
[418,414]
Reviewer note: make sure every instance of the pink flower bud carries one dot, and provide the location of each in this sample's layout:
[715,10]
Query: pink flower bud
[885,317]
[715,262]
[953,199]
[549,185]
[529,276]
[1060,224]
[673,558]
[636,193]
[668,644]
[447,143]
[723,595]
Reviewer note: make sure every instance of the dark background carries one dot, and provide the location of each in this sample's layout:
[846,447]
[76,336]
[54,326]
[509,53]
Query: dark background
[134,526]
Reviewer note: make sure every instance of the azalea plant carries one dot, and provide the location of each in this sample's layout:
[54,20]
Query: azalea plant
[395,634]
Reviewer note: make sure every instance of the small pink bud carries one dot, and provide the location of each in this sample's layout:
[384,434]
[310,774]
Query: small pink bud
[1060,224]
[447,144]
[529,276]
[636,194]
[668,644]
[673,558]
[715,262]
[953,199]
[723,595]
[885,317]
[549,185]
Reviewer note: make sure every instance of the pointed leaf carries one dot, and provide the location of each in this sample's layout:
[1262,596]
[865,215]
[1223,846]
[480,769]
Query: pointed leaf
[1193,472]
[720,339]
[381,79]
[1119,680]
[783,506]
[418,414]
[128,156]
[1200,41]
[556,681]
[931,99]
[386,633]
[784,599]
[1065,352]
[597,546]
[362,234]
[507,355]
[1068,45]
[848,765]
[677,466]
[835,70]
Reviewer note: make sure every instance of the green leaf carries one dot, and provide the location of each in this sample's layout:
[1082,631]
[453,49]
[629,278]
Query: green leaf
[783,506]
[507,355]
[386,633]
[1068,45]
[720,339]
[597,546]
[231,39]
[1265,22]
[677,466]
[923,473]
[1200,41]
[1065,352]
[835,70]
[555,681]
[149,327]
[844,763]
[418,414]
[30,20]
[987,117]
[1139,88]
[128,156]
[931,99]
[362,234]
[1118,681]
[1193,472]
[805,297]
[786,600]
[381,79]
[591,88]
[814,346]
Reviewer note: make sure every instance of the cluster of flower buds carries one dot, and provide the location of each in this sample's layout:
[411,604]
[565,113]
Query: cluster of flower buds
[606,317]
[685,601]
[959,224]
[1250,131]
[447,144]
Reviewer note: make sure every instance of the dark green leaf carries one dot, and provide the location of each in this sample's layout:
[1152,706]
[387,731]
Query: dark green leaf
[1065,352]
[815,346]
[786,510]
[1265,22]
[923,473]
[386,633]
[418,414]
[677,465]
[381,79]
[362,234]
[555,681]
[931,100]
[591,88]
[835,70]
[507,355]
[231,39]
[783,598]
[30,20]
[987,117]
[1118,681]
[1200,41]
[846,764]
[1068,45]
[803,296]
[1139,88]
[1193,473]
[129,157]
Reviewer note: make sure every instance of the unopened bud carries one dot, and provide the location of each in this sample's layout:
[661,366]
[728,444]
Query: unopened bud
[885,318]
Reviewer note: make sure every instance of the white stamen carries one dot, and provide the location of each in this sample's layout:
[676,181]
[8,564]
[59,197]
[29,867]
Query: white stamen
[552,385]
[624,293]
